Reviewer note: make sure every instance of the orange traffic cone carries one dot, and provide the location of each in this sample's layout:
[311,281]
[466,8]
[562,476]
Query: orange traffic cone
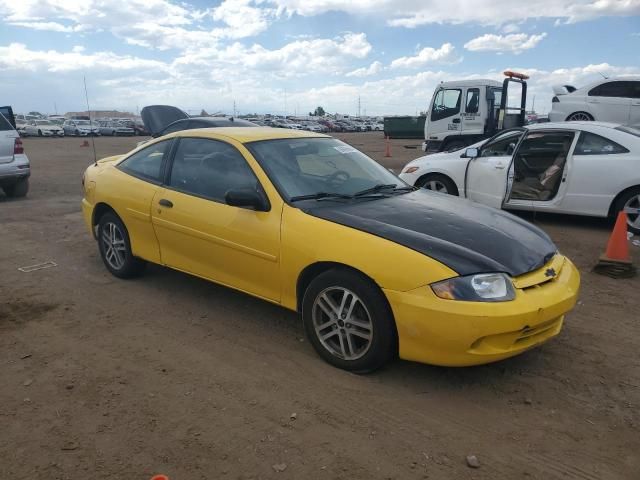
[85,143]
[159,477]
[387,147]
[616,261]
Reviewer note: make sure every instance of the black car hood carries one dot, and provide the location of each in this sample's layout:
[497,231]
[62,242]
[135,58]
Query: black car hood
[466,236]
[157,117]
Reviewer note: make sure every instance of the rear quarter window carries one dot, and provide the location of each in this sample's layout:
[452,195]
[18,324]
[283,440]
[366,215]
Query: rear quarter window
[4,124]
[592,144]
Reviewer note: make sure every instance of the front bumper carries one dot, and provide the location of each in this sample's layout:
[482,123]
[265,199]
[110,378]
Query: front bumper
[454,333]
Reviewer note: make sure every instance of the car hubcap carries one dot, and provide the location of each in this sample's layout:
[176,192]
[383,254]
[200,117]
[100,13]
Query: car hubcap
[632,209]
[115,250]
[436,186]
[342,323]
[580,116]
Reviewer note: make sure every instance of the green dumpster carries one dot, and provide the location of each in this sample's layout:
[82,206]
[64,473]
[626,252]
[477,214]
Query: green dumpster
[404,126]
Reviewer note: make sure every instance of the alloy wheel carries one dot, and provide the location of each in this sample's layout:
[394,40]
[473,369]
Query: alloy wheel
[632,209]
[579,117]
[342,323]
[436,186]
[115,249]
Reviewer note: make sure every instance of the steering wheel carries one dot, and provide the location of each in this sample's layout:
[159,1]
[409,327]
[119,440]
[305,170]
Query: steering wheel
[337,178]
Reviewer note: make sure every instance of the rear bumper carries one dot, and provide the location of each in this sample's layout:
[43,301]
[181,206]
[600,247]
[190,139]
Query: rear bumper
[453,333]
[17,169]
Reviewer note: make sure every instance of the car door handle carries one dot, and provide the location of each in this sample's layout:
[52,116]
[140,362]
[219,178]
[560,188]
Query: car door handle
[456,120]
[499,166]
[166,203]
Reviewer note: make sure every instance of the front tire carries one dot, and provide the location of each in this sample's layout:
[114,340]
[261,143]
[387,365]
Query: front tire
[348,321]
[115,248]
[630,203]
[18,189]
[437,183]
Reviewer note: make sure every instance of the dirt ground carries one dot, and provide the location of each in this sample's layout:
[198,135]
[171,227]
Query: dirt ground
[110,379]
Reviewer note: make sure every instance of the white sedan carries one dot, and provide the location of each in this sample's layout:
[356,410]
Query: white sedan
[581,168]
[43,128]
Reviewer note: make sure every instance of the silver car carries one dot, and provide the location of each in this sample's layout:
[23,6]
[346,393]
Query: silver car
[114,128]
[14,163]
[80,128]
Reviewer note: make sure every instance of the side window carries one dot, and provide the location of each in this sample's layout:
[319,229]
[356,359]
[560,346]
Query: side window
[473,100]
[209,168]
[446,104]
[635,89]
[147,163]
[592,144]
[501,146]
[611,89]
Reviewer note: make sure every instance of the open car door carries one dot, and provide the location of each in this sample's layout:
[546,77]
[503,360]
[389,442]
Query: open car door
[157,117]
[487,174]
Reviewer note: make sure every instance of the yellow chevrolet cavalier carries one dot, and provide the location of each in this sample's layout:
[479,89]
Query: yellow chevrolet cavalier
[376,268]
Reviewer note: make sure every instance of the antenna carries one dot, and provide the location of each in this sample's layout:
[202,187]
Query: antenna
[93,138]
[604,76]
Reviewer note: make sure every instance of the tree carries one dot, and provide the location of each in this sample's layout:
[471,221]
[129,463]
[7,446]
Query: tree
[319,112]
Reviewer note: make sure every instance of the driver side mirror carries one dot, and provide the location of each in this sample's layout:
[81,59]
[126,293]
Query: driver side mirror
[471,153]
[511,148]
[247,198]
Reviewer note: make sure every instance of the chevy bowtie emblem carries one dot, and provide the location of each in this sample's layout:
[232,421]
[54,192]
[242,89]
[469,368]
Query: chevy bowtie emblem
[550,272]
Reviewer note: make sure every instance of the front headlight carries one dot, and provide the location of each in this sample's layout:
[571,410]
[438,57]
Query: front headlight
[482,287]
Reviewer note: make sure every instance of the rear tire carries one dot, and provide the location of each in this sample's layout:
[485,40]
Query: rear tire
[437,183]
[39,133]
[115,248]
[580,117]
[629,201]
[348,321]
[18,189]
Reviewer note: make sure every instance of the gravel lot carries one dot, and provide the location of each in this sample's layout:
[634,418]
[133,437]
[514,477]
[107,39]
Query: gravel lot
[109,379]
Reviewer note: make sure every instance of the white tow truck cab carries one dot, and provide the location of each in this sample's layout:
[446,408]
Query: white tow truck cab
[466,111]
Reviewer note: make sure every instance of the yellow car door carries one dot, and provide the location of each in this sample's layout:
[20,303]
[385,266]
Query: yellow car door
[130,189]
[200,233]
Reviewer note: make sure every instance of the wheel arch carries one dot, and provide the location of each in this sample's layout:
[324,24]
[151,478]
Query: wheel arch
[612,212]
[440,174]
[579,111]
[311,271]
[99,210]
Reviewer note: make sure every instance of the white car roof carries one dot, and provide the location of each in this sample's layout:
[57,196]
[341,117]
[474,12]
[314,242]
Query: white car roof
[571,125]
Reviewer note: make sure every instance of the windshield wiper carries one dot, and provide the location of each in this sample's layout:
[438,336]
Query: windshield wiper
[319,195]
[383,186]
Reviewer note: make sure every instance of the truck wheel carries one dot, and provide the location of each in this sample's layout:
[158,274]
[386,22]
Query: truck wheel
[18,189]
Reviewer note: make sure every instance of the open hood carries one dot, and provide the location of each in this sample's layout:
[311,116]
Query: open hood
[158,117]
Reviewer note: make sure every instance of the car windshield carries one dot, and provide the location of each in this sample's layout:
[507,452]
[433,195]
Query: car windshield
[82,122]
[321,166]
[43,122]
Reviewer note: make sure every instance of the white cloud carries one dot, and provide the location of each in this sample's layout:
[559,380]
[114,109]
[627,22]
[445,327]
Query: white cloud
[511,28]
[243,18]
[373,69]
[18,57]
[443,55]
[514,43]
[413,13]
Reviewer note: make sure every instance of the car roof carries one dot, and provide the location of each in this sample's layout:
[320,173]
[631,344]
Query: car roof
[245,134]
[571,125]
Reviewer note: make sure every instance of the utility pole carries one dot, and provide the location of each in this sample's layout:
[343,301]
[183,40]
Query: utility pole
[234,108]
[533,104]
[358,106]
[285,103]
[55,108]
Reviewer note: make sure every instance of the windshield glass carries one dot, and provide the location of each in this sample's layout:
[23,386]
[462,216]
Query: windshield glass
[82,122]
[308,166]
[43,122]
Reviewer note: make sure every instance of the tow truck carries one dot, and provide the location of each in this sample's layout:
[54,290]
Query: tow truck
[466,111]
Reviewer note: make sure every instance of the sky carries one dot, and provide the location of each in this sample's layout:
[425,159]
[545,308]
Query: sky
[290,56]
